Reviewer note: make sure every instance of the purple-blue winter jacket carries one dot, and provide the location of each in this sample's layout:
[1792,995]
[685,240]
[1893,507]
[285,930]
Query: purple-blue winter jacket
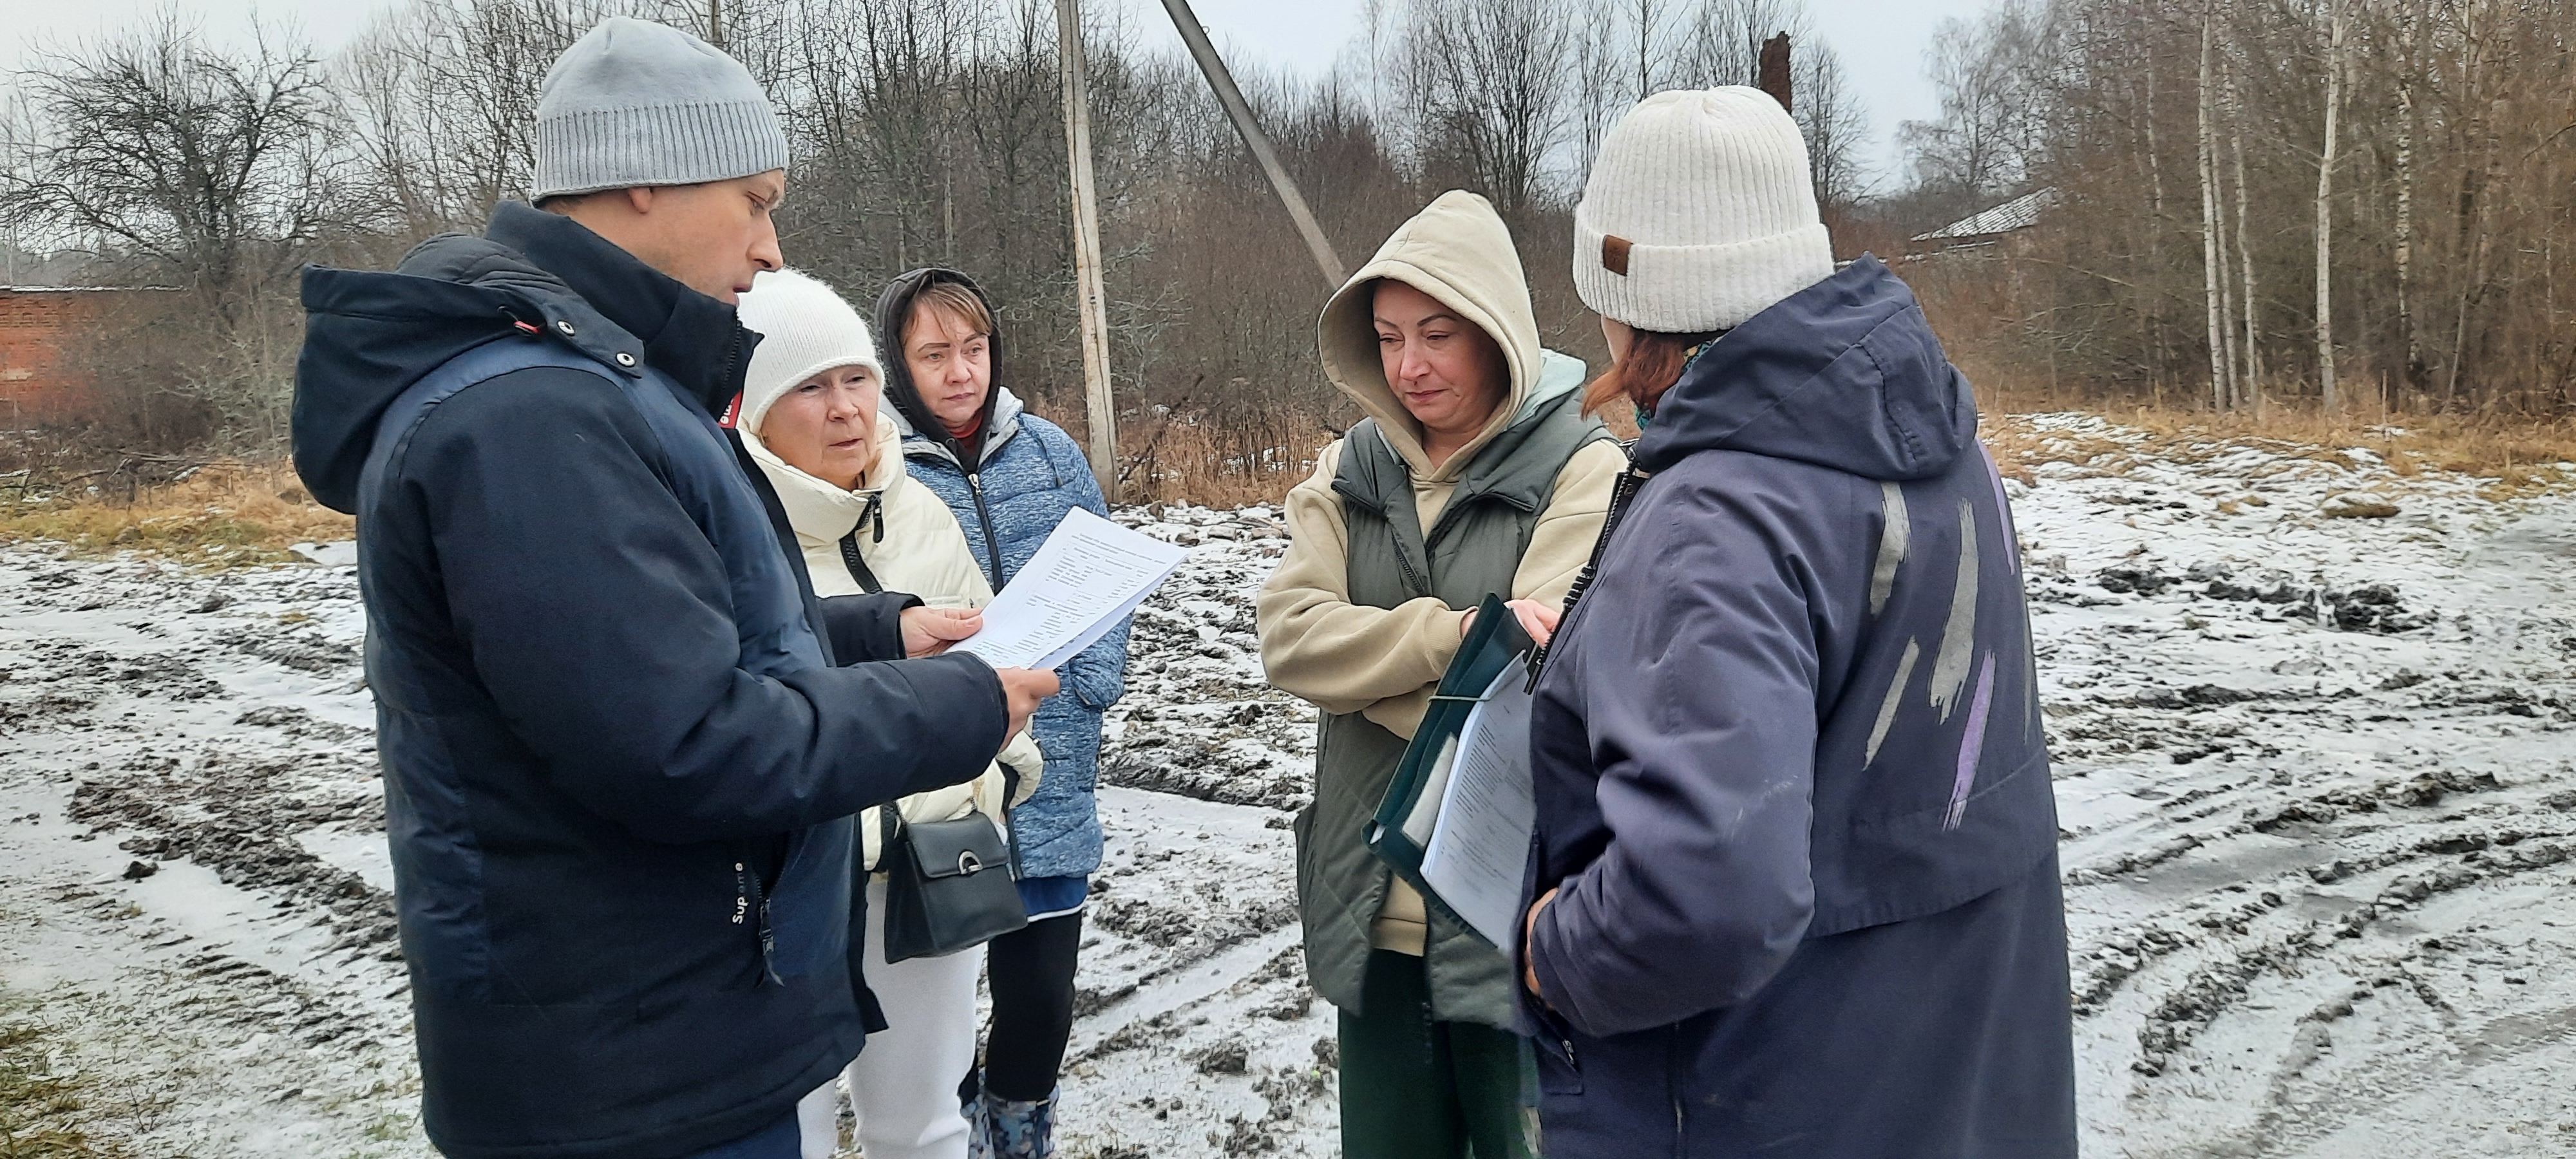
[1791,779]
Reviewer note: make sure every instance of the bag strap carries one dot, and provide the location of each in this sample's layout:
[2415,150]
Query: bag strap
[1010,827]
[889,832]
[858,566]
[1621,493]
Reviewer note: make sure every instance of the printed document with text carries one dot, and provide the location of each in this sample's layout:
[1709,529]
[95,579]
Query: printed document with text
[1088,575]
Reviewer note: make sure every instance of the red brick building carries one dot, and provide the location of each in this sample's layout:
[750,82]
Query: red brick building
[40,334]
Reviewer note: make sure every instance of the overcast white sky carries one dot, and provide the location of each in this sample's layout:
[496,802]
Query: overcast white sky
[1881,41]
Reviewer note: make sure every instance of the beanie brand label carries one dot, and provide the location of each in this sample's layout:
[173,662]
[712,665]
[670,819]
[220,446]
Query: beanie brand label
[1614,254]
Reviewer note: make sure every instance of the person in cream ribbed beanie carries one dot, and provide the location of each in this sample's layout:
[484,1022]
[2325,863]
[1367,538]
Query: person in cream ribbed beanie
[1699,214]
[634,103]
[805,329]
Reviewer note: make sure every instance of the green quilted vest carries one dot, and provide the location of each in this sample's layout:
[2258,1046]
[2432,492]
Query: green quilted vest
[1473,548]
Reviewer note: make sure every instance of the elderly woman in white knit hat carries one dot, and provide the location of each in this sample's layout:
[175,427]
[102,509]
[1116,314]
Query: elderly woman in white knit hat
[809,414]
[1795,873]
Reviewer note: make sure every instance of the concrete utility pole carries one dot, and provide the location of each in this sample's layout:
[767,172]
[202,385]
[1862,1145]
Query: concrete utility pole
[715,23]
[1236,110]
[1086,251]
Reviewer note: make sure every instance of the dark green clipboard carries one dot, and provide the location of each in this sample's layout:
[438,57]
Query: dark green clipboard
[1404,820]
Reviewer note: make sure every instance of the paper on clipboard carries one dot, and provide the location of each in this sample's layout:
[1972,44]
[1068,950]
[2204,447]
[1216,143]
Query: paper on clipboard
[1479,842]
[1088,575]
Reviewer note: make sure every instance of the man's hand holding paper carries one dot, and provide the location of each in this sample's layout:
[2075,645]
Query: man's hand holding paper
[931,631]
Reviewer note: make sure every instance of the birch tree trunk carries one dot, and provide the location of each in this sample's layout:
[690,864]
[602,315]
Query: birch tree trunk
[2212,267]
[2414,367]
[2234,396]
[2156,225]
[2250,387]
[2325,211]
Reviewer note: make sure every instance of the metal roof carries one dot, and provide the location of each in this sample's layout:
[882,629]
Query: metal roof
[2019,213]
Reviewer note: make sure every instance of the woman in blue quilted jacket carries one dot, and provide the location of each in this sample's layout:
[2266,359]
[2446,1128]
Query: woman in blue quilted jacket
[1011,477]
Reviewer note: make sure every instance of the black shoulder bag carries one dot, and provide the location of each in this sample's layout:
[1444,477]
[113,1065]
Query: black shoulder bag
[950,885]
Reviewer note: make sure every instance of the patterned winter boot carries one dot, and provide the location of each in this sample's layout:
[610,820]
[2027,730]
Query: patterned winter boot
[1010,1129]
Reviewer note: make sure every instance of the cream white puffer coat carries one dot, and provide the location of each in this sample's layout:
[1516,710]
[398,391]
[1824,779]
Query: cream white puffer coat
[910,543]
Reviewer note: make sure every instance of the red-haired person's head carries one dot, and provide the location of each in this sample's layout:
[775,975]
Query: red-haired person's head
[1700,212]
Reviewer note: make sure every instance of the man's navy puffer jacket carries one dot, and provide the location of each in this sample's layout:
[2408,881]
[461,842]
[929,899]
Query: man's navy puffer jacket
[619,760]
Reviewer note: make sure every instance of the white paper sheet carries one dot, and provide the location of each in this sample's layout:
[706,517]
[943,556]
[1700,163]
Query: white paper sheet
[1480,846]
[1087,576]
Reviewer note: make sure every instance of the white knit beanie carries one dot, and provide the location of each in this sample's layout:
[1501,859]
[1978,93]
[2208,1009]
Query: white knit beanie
[637,103]
[1700,213]
[805,329]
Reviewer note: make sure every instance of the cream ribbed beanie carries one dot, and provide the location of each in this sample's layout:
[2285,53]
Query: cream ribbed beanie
[1700,213]
[805,329]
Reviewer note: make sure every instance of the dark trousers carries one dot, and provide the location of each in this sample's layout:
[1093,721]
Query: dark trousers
[778,1141]
[1415,1088]
[1030,971]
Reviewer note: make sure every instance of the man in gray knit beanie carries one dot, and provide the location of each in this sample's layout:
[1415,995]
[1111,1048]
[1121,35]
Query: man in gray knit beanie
[621,738]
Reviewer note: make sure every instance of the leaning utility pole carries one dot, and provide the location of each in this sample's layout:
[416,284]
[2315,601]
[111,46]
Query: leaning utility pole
[1086,251]
[1222,81]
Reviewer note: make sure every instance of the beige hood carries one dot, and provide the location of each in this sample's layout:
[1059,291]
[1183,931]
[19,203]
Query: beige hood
[1458,251]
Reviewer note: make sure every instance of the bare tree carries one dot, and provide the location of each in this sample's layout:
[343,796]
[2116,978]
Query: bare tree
[2325,210]
[926,132]
[209,167]
[1982,144]
[2222,362]
[442,100]
[1720,41]
[1607,61]
[1646,26]
[2250,381]
[1830,116]
[2410,22]
[1490,92]
[206,170]
[2425,142]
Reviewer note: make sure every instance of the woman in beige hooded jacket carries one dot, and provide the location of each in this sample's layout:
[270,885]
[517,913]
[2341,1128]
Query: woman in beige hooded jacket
[1475,473]
[810,413]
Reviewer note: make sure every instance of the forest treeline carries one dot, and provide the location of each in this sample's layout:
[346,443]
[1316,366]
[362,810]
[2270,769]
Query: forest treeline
[2251,202]
[2182,153]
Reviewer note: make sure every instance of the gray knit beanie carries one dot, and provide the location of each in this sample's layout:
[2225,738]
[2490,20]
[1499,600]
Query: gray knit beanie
[637,103]
[1699,214]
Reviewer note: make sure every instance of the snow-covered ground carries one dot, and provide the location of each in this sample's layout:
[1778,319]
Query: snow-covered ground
[2317,780]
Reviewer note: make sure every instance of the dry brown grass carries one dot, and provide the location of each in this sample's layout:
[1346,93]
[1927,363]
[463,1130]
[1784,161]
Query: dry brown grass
[42,1113]
[232,514]
[1188,462]
[2521,453]
[224,514]
[1176,462]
